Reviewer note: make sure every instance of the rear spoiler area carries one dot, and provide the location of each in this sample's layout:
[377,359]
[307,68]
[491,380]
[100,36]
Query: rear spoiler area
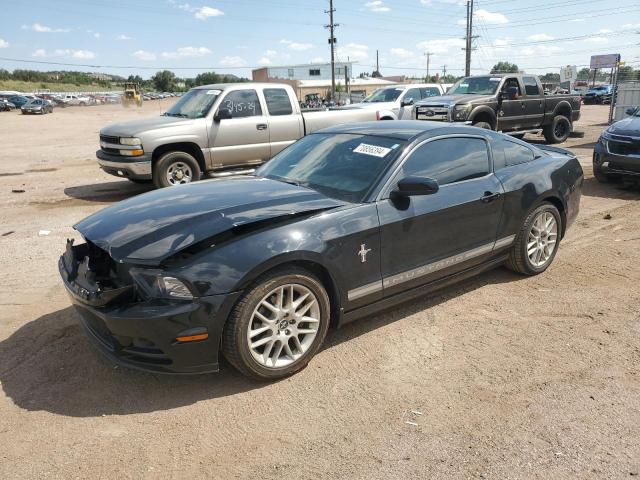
[556,150]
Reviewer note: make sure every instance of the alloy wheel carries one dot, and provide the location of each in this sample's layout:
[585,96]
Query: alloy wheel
[283,325]
[542,239]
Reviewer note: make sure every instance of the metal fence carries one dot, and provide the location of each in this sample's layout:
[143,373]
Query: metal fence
[628,96]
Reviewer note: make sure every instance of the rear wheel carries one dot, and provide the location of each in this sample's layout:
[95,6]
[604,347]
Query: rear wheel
[175,168]
[278,325]
[537,241]
[558,131]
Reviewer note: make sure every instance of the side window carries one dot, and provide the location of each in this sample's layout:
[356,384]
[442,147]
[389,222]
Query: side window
[449,160]
[412,94]
[242,103]
[515,153]
[278,102]
[429,92]
[531,86]
[511,82]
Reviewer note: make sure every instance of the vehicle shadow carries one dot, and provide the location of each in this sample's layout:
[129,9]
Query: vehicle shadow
[49,365]
[107,192]
[616,190]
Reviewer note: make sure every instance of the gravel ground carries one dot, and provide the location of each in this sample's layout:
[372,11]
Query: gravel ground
[498,377]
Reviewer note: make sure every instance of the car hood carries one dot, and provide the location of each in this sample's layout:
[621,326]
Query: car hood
[629,126]
[134,127]
[151,227]
[453,99]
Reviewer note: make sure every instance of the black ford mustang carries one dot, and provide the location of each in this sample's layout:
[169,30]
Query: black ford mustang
[341,224]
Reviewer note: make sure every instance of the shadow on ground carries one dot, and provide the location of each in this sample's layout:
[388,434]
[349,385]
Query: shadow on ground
[107,192]
[616,190]
[49,365]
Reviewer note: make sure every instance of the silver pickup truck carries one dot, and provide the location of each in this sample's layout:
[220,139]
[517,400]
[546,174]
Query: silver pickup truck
[212,129]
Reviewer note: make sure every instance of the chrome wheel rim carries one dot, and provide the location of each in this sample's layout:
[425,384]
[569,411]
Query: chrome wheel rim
[178,173]
[283,326]
[542,239]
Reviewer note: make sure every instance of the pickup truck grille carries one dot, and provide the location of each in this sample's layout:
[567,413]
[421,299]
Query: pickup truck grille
[110,139]
[433,112]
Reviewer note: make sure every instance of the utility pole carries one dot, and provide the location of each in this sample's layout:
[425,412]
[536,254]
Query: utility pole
[468,39]
[332,44]
[444,71]
[377,62]
[428,55]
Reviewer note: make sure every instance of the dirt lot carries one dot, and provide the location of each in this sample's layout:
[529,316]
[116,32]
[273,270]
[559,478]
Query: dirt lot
[512,377]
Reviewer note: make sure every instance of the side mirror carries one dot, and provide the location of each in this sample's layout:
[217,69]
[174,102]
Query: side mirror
[631,110]
[222,114]
[406,103]
[415,186]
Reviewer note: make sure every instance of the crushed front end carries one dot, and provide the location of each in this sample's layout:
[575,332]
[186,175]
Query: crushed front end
[136,324]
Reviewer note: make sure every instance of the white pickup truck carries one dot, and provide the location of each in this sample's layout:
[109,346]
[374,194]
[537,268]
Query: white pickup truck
[395,102]
[213,128]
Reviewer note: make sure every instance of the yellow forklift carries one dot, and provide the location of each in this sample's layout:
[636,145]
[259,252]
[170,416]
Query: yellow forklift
[131,94]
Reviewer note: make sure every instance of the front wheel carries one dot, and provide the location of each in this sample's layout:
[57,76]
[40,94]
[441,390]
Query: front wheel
[175,168]
[537,241]
[278,325]
[485,125]
[558,131]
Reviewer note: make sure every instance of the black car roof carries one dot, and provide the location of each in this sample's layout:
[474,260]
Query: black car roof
[400,129]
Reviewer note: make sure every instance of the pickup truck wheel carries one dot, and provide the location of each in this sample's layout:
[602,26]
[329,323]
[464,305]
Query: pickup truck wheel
[486,125]
[175,168]
[558,131]
[537,241]
[278,325]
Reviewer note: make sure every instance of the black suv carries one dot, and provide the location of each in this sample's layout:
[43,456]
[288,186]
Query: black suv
[617,154]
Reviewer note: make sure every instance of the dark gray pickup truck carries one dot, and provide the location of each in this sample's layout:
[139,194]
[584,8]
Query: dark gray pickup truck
[511,103]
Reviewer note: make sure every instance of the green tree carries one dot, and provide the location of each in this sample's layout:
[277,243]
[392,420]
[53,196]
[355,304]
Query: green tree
[135,79]
[505,67]
[164,81]
[550,78]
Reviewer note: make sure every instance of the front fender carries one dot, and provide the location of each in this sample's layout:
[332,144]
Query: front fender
[483,110]
[386,115]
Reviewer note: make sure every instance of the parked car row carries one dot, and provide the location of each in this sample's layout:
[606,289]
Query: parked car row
[158,96]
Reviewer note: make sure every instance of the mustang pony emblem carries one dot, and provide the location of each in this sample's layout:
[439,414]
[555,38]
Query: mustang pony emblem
[363,252]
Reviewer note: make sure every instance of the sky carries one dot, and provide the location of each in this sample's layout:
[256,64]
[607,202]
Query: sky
[234,36]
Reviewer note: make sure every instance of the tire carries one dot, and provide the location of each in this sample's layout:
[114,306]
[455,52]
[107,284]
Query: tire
[519,259]
[558,131]
[599,174]
[170,164]
[250,313]
[83,104]
[485,125]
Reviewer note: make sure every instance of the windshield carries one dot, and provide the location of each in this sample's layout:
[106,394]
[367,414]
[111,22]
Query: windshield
[342,166]
[600,88]
[475,85]
[194,104]
[384,95]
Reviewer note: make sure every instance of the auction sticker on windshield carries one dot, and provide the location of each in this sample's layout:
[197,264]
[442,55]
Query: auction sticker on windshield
[373,150]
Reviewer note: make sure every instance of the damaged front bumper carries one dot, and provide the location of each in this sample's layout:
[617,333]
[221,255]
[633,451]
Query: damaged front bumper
[143,333]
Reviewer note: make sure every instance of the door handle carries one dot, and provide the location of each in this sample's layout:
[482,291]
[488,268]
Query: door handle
[489,197]
[261,126]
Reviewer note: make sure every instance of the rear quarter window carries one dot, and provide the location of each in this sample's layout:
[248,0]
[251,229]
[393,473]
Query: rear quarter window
[510,153]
